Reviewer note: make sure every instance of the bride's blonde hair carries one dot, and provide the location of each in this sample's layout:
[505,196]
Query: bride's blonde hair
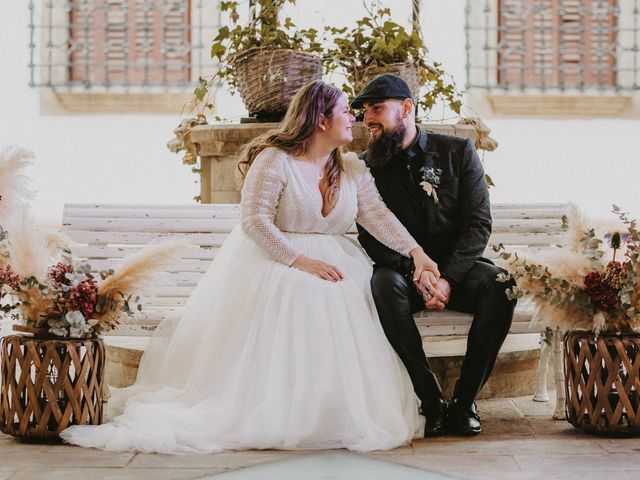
[312,102]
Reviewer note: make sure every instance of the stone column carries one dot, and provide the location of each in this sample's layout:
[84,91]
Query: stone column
[218,146]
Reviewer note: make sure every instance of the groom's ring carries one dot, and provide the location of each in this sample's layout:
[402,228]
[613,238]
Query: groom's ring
[426,296]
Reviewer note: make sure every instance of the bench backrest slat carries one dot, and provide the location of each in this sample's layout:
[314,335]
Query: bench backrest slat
[104,234]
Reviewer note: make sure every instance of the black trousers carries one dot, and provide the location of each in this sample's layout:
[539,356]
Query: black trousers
[396,300]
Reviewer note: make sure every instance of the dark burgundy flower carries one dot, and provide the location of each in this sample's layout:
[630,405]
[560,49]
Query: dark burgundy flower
[83,297]
[8,277]
[602,294]
[57,273]
[593,280]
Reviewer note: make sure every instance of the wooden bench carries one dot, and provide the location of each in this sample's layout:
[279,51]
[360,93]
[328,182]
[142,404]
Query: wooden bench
[103,234]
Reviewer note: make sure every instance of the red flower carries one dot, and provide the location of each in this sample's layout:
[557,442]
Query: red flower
[602,294]
[8,277]
[58,271]
[83,297]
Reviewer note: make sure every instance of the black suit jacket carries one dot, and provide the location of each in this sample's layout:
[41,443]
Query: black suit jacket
[453,232]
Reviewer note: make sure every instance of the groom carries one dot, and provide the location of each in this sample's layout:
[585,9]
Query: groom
[435,185]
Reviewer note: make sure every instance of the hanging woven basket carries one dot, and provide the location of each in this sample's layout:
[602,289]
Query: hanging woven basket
[49,385]
[268,78]
[602,382]
[409,72]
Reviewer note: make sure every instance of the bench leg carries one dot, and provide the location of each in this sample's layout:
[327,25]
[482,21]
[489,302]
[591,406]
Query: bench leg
[106,393]
[558,375]
[541,394]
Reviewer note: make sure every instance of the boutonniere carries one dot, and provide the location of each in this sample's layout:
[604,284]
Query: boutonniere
[431,182]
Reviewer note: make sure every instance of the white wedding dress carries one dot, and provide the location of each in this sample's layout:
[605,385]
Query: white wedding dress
[264,355]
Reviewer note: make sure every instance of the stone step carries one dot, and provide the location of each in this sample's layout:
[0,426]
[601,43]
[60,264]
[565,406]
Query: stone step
[514,374]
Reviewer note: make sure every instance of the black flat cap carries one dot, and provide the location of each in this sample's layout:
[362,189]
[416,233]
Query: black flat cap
[382,87]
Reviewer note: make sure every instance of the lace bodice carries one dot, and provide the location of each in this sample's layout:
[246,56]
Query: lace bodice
[277,199]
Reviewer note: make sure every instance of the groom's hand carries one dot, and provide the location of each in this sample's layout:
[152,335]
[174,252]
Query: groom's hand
[428,287]
[437,297]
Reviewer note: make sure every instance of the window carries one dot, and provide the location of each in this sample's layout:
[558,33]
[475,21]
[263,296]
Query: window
[566,43]
[553,45]
[129,42]
[121,55]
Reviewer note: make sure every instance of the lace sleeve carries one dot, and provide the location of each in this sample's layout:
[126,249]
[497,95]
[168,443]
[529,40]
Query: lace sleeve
[260,196]
[377,219]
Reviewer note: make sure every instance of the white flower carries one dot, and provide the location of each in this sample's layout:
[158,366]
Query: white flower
[75,319]
[58,332]
[431,190]
[599,322]
[79,332]
[75,278]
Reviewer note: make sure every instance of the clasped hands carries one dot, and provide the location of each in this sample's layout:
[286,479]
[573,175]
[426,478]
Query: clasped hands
[434,289]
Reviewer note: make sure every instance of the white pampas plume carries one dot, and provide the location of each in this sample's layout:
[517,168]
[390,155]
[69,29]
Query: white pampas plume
[56,242]
[31,251]
[599,323]
[14,191]
[137,272]
[577,228]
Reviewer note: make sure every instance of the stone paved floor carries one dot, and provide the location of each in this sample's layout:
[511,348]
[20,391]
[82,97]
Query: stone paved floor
[520,441]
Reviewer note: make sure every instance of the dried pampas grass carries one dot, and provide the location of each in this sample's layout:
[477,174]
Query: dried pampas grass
[577,226]
[14,191]
[135,273]
[31,251]
[35,307]
[569,263]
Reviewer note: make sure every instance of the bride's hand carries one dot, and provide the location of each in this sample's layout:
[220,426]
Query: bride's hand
[317,268]
[423,263]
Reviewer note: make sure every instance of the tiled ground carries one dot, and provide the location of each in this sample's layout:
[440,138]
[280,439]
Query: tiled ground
[520,441]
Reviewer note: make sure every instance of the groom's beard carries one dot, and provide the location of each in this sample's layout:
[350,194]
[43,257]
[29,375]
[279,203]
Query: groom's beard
[388,144]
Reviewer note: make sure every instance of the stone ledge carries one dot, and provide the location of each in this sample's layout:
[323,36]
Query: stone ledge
[562,106]
[515,372]
[228,139]
[91,102]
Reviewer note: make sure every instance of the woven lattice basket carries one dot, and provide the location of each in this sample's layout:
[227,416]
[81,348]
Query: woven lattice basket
[409,72]
[602,382]
[268,78]
[48,385]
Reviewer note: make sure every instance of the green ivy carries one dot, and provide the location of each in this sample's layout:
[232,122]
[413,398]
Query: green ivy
[265,30]
[378,41]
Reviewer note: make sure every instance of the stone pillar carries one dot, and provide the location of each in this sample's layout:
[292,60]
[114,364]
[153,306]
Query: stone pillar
[218,146]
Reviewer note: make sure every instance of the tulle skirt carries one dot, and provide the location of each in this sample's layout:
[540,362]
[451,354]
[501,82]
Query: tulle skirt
[265,356]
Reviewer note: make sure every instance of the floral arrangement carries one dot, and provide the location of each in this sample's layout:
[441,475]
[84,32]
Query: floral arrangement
[45,290]
[431,182]
[70,300]
[582,285]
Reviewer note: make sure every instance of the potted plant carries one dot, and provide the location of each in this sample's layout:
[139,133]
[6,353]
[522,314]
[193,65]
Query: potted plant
[379,45]
[53,372]
[593,295]
[266,59]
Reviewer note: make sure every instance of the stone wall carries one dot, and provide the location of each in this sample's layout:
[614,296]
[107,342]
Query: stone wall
[218,145]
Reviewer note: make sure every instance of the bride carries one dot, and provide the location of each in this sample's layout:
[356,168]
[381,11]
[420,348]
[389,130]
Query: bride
[280,345]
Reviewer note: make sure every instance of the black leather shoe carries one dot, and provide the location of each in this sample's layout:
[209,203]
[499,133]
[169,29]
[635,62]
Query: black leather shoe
[436,415]
[462,419]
